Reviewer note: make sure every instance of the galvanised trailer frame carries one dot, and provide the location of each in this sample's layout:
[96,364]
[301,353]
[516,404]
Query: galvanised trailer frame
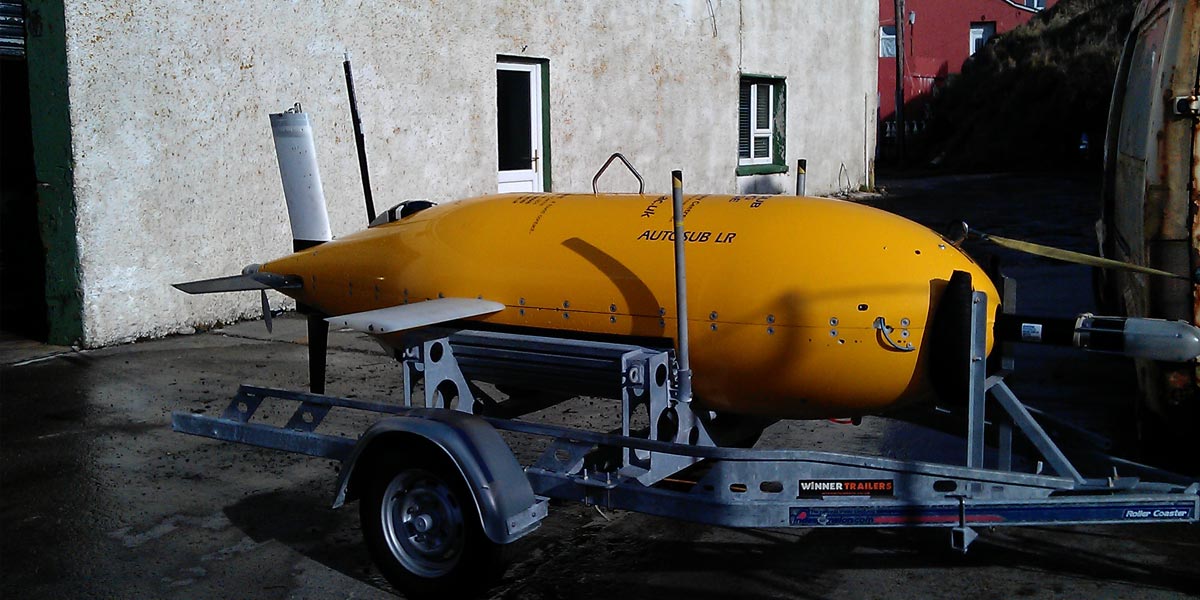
[674,468]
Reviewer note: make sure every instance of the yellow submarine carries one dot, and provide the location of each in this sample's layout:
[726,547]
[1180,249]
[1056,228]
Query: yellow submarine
[784,293]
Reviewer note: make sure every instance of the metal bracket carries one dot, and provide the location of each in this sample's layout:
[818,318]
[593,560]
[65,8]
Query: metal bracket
[961,538]
[243,405]
[1186,106]
[647,382]
[646,376]
[432,360]
[1015,413]
[977,393]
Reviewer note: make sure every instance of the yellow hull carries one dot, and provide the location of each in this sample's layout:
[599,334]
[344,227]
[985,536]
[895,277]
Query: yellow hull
[782,291]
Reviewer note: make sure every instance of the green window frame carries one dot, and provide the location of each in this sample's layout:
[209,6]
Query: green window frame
[762,116]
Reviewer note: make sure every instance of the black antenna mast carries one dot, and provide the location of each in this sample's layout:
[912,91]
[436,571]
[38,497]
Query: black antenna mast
[360,142]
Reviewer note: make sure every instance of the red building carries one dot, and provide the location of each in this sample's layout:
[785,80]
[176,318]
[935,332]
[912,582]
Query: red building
[939,35]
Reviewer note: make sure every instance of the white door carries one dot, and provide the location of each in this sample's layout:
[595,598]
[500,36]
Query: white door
[519,127]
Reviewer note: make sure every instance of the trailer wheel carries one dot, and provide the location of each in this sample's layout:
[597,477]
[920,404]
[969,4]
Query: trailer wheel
[423,531]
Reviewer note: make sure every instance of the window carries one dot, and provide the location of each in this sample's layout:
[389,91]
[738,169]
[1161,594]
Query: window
[887,41]
[761,110]
[981,33]
[1036,4]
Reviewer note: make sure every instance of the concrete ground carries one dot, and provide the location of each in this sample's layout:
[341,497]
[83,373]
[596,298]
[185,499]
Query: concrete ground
[99,499]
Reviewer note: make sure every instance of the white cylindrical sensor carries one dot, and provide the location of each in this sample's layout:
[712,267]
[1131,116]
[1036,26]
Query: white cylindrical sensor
[1155,339]
[301,178]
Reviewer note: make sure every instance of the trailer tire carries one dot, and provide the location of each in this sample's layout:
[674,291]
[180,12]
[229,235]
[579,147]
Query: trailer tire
[423,530]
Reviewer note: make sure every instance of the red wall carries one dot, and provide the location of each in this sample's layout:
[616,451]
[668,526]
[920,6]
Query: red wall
[936,45]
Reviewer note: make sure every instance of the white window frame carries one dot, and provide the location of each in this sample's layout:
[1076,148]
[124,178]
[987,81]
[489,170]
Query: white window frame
[979,32]
[883,37]
[758,132]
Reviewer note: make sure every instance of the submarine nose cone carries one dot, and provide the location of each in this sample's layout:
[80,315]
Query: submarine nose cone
[1171,341]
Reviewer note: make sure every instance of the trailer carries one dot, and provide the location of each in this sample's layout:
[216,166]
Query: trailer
[440,491]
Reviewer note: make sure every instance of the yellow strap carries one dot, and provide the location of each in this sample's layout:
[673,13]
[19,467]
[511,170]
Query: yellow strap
[1076,257]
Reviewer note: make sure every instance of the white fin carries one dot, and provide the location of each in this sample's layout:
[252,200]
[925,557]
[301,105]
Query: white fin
[419,314]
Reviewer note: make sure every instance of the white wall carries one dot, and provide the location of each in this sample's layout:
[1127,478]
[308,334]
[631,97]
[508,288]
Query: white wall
[175,169]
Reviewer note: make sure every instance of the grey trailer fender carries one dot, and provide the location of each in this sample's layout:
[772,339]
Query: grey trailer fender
[507,506]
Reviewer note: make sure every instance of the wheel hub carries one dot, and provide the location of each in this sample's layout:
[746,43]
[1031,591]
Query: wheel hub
[422,523]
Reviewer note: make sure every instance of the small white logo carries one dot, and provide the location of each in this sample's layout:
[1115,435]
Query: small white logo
[1157,513]
[1031,332]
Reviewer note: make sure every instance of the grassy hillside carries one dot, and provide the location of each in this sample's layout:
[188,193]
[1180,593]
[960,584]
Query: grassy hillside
[1024,101]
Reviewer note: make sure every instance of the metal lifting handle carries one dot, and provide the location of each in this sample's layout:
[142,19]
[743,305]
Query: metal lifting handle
[641,182]
[885,331]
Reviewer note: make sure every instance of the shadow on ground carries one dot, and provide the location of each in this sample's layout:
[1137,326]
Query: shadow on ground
[304,521]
